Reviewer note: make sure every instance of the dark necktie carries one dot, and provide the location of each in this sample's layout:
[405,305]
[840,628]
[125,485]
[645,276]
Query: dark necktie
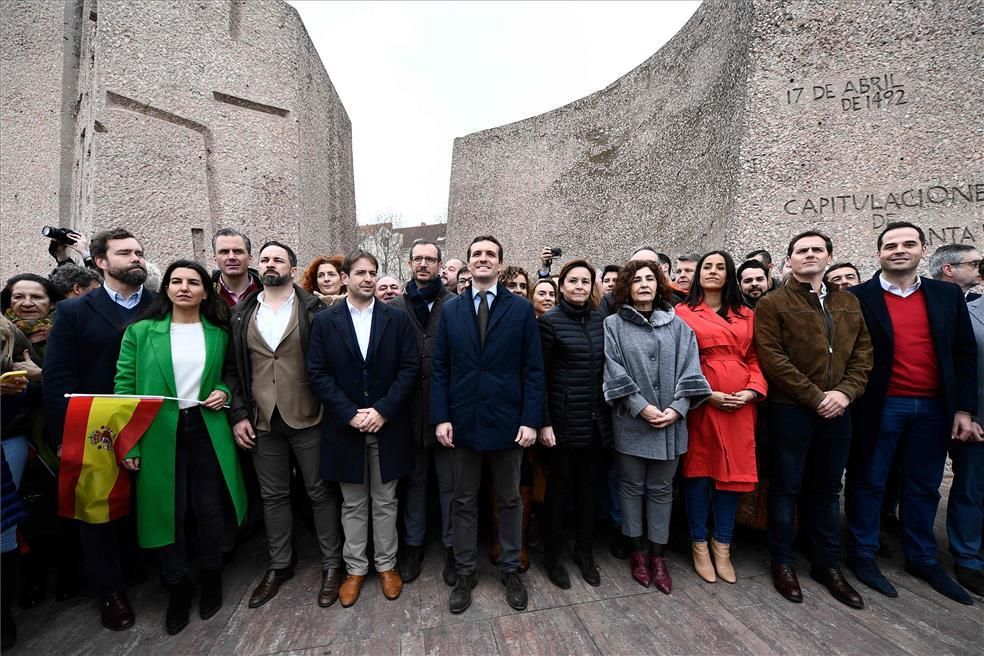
[483,316]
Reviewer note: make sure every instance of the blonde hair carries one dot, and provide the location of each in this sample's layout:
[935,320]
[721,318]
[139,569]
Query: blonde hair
[6,344]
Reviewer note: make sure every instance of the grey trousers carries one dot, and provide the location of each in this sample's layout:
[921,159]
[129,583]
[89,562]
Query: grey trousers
[415,503]
[505,466]
[356,498]
[271,457]
[653,479]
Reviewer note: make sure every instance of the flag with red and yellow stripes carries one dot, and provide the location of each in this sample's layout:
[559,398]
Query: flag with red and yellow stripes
[99,432]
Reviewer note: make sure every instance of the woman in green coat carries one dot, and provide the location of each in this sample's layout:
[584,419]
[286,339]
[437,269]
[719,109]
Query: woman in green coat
[188,455]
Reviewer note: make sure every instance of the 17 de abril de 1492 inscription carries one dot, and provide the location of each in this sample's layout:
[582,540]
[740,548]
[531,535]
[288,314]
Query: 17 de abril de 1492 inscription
[853,94]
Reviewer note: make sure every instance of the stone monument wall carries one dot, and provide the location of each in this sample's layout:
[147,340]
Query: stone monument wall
[759,119]
[180,118]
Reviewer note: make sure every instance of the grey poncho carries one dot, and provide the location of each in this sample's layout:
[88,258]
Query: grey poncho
[651,362]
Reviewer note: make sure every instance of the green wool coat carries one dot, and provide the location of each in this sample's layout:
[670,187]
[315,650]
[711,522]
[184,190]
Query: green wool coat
[144,367]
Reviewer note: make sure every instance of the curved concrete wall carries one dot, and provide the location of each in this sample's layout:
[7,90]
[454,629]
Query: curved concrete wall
[179,118]
[759,119]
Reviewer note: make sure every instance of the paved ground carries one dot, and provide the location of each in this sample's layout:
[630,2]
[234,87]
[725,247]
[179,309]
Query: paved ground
[620,617]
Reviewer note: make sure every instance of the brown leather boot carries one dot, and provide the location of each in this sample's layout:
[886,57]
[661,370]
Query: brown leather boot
[722,561]
[702,562]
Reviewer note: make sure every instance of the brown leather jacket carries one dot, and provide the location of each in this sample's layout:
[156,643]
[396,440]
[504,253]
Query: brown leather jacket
[806,348]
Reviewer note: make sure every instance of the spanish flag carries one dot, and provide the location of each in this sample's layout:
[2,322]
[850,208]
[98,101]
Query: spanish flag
[99,432]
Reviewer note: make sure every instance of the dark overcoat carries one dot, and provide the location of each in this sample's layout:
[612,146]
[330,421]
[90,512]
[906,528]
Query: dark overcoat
[345,382]
[487,392]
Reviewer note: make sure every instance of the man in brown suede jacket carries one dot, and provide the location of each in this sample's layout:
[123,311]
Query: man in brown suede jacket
[815,351]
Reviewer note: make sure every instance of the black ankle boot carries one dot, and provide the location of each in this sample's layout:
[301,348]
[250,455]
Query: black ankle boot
[178,605]
[8,582]
[210,599]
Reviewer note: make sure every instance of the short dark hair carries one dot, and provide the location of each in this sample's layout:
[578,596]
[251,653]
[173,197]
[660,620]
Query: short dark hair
[610,268]
[688,257]
[766,255]
[841,265]
[663,258]
[752,264]
[49,288]
[425,242]
[811,233]
[895,225]
[232,232]
[291,257]
[99,244]
[355,255]
[486,238]
[622,293]
[65,276]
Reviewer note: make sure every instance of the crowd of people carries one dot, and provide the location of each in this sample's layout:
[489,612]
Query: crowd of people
[608,392]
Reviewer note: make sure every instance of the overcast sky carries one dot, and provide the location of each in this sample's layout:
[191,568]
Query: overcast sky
[415,75]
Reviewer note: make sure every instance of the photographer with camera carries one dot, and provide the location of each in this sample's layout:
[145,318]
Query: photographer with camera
[547,256]
[63,239]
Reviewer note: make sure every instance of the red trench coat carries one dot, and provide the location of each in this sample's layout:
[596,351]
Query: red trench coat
[722,444]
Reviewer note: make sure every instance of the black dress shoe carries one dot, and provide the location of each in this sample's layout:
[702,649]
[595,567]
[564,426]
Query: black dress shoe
[67,585]
[972,579]
[620,546]
[450,572]
[786,583]
[178,606]
[460,598]
[936,576]
[210,599]
[515,591]
[409,566]
[589,571]
[32,593]
[269,586]
[557,573]
[833,579]
[331,581]
[116,612]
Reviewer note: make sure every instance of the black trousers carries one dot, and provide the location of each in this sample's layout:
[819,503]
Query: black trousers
[571,480]
[101,552]
[198,480]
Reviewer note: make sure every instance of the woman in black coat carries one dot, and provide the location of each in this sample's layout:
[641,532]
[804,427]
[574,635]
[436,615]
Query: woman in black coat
[576,419]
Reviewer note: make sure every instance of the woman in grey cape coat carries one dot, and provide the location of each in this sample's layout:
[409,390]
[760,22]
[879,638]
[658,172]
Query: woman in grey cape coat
[652,378]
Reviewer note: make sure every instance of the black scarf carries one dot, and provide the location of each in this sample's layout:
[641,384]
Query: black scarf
[420,298]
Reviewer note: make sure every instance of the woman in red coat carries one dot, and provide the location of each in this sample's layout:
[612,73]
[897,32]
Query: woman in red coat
[720,461]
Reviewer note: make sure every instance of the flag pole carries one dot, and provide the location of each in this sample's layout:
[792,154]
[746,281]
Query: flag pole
[132,396]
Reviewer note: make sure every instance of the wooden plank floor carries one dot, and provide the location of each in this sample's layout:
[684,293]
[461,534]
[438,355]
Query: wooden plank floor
[620,617]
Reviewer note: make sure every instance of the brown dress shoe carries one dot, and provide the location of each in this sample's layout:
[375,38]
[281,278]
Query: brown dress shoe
[331,580]
[348,594]
[116,612]
[840,589]
[786,583]
[269,586]
[391,583]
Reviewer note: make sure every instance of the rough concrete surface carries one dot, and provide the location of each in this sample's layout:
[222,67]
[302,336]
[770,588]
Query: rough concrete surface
[759,119]
[178,118]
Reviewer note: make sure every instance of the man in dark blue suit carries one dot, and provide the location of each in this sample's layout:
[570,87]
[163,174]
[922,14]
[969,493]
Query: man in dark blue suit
[363,362]
[921,392]
[80,358]
[487,401]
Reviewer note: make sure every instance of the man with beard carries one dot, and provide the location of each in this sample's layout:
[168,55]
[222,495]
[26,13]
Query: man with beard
[80,358]
[233,280]
[363,363]
[449,274]
[423,299]
[275,412]
[753,278]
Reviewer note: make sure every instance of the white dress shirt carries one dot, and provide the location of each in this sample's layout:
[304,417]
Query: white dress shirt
[272,323]
[188,361]
[362,322]
[898,291]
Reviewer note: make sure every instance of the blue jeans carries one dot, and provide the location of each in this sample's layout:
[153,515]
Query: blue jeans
[723,504]
[15,450]
[802,441]
[965,510]
[918,429]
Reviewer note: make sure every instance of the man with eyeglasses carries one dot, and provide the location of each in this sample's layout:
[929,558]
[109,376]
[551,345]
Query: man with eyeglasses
[422,299]
[959,264]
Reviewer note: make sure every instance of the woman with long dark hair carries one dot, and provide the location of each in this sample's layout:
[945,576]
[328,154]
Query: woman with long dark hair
[720,463]
[188,455]
[652,380]
[577,422]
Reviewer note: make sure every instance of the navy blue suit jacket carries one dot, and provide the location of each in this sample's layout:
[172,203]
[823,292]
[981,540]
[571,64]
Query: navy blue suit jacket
[345,382]
[953,339]
[81,354]
[487,393]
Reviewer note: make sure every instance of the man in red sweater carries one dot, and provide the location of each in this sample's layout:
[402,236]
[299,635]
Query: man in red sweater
[921,392]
